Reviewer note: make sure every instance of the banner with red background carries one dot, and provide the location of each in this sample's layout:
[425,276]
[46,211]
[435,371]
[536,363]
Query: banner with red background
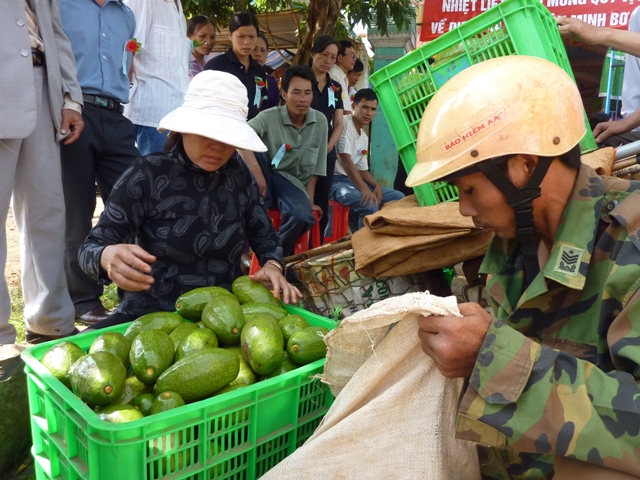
[440,16]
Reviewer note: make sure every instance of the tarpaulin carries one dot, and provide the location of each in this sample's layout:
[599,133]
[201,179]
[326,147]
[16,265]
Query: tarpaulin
[441,16]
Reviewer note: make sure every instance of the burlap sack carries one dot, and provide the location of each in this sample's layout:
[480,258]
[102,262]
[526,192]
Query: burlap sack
[394,416]
[404,238]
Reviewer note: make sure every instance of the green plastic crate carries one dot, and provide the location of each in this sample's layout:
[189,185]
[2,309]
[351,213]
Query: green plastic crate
[238,435]
[405,87]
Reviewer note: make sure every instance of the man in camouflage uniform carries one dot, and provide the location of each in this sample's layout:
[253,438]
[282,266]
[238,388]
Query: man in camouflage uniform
[552,387]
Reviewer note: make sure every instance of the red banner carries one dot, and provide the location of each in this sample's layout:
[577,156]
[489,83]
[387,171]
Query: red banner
[440,16]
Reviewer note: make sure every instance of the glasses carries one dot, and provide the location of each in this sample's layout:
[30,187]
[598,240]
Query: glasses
[351,55]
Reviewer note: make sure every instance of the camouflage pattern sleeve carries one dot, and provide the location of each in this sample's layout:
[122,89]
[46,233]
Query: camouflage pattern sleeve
[532,399]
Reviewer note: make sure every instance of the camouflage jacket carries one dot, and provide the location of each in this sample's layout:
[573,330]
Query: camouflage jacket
[559,368]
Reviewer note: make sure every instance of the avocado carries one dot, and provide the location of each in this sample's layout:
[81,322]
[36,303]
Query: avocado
[277,311]
[292,324]
[248,291]
[119,414]
[165,321]
[200,375]
[245,377]
[166,401]
[98,378]
[287,366]
[113,342]
[307,345]
[144,403]
[181,332]
[151,354]
[60,358]
[197,340]
[170,447]
[262,344]
[191,304]
[225,318]
[132,388]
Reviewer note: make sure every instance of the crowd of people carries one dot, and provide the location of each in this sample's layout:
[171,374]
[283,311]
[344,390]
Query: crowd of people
[128,81]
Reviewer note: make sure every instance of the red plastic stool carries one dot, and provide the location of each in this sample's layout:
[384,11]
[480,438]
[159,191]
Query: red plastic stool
[302,245]
[340,221]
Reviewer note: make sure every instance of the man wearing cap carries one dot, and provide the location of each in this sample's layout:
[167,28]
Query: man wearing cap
[40,104]
[191,209]
[99,32]
[296,139]
[552,376]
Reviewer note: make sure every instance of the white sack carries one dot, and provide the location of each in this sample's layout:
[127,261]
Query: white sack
[394,415]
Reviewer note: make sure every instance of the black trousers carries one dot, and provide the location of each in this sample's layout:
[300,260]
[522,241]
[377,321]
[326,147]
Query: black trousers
[103,152]
[321,195]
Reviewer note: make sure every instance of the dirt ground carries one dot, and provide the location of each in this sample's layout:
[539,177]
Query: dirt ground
[12,267]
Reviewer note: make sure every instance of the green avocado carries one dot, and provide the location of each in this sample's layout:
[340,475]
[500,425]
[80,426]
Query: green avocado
[182,332]
[165,321]
[292,324]
[98,378]
[151,354]
[197,340]
[307,345]
[262,344]
[166,401]
[191,304]
[113,342]
[245,377]
[287,366]
[200,375]
[119,414]
[277,311]
[249,291]
[225,318]
[132,388]
[144,403]
[60,358]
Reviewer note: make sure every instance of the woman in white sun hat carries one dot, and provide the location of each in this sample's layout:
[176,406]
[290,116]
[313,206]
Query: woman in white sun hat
[189,209]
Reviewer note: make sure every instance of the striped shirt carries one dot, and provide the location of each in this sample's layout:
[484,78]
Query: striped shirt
[161,68]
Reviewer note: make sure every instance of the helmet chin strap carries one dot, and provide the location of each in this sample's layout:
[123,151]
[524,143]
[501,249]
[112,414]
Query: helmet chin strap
[520,199]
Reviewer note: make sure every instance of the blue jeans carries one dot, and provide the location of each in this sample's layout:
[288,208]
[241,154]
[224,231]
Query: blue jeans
[149,140]
[346,193]
[291,201]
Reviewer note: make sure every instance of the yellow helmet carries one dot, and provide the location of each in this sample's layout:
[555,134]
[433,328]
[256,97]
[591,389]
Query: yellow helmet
[508,105]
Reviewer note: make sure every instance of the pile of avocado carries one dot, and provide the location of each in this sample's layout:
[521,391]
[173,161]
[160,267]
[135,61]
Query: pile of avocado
[230,341]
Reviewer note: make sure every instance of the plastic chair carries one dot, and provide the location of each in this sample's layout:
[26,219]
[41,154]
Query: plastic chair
[302,245]
[340,221]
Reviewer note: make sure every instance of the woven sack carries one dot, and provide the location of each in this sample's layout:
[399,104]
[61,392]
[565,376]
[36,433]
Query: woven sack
[394,414]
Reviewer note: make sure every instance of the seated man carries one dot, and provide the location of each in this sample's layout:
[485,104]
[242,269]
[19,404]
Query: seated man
[296,139]
[353,184]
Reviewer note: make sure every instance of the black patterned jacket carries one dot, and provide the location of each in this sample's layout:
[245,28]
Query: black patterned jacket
[195,223]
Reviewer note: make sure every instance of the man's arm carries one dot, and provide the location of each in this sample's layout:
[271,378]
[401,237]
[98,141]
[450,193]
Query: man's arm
[628,42]
[368,197]
[368,178]
[310,188]
[605,130]
[250,159]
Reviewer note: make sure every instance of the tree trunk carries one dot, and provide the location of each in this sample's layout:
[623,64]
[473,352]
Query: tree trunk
[322,16]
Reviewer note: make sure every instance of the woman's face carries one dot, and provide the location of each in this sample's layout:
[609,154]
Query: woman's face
[210,155]
[243,40]
[206,37]
[324,60]
[260,52]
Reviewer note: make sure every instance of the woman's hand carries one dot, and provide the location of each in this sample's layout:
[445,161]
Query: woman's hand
[271,277]
[128,266]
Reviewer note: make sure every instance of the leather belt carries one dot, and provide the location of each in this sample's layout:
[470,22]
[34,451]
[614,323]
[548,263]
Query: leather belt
[38,58]
[103,102]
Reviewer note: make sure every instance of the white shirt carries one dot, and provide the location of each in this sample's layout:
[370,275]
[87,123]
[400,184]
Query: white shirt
[631,82]
[161,68]
[339,76]
[355,144]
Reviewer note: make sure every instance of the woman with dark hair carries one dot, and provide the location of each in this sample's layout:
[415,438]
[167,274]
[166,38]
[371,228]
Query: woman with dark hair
[202,33]
[189,228]
[243,33]
[327,98]
[260,55]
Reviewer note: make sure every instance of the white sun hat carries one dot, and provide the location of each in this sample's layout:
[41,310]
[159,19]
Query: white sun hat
[215,106]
